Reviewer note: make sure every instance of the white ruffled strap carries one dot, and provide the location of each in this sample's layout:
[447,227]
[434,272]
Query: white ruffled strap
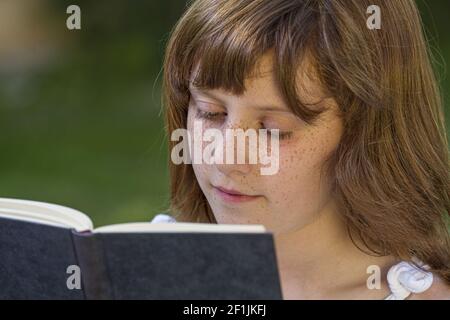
[163,218]
[405,278]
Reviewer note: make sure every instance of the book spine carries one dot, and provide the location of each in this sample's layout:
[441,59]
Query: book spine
[94,273]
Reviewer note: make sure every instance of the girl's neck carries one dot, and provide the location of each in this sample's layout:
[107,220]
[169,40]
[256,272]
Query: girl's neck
[321,261]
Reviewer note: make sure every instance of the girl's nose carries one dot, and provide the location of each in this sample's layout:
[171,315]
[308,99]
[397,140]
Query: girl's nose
[239,148]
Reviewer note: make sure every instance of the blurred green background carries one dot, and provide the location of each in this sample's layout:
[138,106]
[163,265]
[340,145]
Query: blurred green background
[80,114]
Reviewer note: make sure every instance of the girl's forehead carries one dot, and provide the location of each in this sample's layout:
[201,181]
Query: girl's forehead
[264,66]
[262,83]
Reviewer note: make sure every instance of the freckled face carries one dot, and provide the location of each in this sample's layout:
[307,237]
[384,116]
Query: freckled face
[295,195]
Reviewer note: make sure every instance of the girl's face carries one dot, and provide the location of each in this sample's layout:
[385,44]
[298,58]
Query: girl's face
[296,194]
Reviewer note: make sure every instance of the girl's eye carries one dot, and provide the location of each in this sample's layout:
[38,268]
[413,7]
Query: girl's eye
[217,116]
[207,115]
[282,135]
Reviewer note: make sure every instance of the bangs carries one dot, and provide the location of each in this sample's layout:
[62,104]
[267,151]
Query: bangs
[221,51]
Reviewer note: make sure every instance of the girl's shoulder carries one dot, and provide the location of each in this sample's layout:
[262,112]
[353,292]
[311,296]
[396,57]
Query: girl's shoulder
[407,281]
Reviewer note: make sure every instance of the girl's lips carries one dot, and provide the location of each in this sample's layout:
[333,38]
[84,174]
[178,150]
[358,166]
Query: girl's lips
[233,196]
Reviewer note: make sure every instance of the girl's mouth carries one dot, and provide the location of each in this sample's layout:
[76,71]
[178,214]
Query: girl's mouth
[233,195]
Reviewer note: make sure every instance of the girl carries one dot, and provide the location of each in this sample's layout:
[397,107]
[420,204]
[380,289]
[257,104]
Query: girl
[363,187]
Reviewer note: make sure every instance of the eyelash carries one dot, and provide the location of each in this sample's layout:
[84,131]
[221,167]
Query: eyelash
[208,115]
[213,116]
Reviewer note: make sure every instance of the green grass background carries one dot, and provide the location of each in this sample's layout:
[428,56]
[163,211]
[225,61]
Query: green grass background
[85,129]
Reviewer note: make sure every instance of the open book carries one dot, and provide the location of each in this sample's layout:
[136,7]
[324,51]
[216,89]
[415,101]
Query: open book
[49,251]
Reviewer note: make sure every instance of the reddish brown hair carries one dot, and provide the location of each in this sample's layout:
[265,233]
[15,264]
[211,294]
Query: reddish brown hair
[390,171]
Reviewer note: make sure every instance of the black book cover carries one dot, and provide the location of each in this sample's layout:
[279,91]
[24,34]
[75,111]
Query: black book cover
[158,265]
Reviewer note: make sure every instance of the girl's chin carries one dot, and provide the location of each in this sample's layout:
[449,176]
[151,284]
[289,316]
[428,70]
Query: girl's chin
[228,215]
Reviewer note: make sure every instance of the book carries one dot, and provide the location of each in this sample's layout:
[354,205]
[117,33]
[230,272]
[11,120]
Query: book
[50,251]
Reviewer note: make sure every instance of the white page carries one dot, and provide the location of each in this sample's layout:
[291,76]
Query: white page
[61,216]
[142,227]
[46,213]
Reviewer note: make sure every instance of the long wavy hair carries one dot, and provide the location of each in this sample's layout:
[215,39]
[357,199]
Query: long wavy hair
[390,171]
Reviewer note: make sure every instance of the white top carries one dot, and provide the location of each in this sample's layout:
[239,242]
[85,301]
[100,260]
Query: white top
[163,218]
[403,278]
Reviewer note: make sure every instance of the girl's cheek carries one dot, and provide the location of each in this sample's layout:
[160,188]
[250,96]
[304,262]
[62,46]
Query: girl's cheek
[200,168]
[201,171]
[291,155]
